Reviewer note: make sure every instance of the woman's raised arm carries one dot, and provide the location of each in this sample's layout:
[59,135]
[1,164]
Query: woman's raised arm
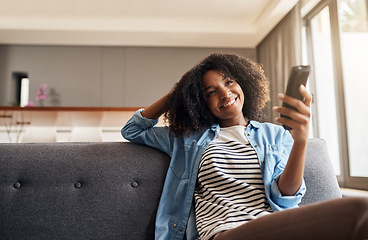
[291,179]
[155,110]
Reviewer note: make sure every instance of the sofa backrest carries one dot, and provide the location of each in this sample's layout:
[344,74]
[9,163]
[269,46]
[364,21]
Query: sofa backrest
[102,190]
[319,174]
[79,190]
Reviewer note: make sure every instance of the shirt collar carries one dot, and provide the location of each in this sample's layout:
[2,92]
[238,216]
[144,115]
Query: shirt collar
[255,124]
[215,128]
[252,123]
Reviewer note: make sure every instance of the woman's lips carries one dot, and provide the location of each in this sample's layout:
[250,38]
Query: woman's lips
[229,103]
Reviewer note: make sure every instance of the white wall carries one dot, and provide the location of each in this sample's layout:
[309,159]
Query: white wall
[100,76]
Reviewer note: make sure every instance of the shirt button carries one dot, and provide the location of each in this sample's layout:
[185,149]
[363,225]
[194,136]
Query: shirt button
[174,225]
[181,229]
[256,145]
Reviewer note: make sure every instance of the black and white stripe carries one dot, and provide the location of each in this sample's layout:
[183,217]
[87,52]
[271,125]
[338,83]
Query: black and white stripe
[230,189]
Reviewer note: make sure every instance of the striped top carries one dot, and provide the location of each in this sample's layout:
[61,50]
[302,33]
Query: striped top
[229,190]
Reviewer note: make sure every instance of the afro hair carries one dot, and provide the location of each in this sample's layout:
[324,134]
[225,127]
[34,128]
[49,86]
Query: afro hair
[188,109]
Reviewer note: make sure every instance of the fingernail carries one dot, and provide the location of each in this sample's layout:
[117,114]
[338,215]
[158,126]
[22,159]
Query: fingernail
[281,95]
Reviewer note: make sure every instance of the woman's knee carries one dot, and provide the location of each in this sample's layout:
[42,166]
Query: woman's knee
[359,203]
[361,217]
[357,210]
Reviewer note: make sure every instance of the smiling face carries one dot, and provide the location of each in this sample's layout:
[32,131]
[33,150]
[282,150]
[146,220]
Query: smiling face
[224,98]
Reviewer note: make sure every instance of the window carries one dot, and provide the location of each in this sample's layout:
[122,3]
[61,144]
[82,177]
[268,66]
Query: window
[353,21]
[336,32]
[324,90]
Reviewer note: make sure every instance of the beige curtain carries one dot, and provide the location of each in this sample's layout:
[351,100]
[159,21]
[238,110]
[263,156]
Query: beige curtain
[278,52]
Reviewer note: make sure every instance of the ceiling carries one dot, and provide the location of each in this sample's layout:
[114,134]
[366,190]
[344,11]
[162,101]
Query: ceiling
[188,23]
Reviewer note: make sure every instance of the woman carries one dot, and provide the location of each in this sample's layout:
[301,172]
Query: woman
[230,175]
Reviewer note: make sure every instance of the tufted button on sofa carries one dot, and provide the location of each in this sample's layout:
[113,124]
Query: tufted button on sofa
[102,190]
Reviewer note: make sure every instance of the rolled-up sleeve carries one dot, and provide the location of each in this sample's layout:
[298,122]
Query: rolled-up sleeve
[142,130]
[285,202]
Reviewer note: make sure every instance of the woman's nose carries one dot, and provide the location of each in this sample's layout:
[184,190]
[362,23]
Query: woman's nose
[225,92]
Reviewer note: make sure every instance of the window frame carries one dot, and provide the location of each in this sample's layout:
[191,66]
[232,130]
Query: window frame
[344,179]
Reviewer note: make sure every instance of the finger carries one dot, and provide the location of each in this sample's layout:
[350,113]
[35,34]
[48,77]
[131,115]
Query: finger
[286,121]
[298,104]
[298,123]
[307,96]
[287,99]
[305,108]
[301,118]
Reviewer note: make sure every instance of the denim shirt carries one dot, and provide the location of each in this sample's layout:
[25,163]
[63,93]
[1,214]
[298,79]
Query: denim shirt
[175,215]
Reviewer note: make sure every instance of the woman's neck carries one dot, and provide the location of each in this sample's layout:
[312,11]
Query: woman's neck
[234,122]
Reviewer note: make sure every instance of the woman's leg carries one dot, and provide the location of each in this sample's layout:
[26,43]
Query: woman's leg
[344,218]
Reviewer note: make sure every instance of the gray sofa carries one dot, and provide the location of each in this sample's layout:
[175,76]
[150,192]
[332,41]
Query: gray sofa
[102,190]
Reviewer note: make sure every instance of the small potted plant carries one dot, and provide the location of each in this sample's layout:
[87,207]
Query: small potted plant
[41,94]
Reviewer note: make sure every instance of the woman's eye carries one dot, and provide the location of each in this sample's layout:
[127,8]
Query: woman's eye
[229,81]
[210,93]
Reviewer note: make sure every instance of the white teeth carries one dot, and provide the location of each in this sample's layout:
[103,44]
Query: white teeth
[229,103]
